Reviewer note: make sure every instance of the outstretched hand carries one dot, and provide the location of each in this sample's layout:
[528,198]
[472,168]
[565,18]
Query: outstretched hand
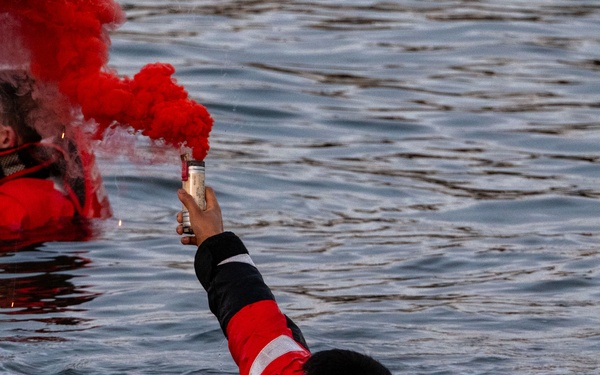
[205,223]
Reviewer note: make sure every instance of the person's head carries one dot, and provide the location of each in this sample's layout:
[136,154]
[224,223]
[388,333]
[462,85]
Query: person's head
[343,362]
[16,104]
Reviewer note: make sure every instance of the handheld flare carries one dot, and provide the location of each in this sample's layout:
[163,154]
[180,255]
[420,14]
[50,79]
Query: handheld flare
[192,178]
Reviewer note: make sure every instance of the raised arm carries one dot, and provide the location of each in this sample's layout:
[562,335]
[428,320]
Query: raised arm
[262,340]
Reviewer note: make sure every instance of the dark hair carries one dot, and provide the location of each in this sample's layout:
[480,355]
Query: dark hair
[343,362]
[14,111]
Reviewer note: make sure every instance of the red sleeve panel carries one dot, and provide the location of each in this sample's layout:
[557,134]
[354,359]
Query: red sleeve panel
[261,342]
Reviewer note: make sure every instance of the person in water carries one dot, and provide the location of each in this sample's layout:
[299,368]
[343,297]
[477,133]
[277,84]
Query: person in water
[44,183]
[262,340]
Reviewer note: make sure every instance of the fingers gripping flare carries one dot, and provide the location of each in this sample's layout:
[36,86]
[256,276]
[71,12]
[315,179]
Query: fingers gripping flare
[204,223]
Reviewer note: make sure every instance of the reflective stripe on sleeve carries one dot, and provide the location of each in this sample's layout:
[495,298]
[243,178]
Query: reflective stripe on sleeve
[275,349]
[241,258]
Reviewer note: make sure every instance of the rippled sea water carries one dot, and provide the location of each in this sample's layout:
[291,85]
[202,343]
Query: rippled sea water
[418,180]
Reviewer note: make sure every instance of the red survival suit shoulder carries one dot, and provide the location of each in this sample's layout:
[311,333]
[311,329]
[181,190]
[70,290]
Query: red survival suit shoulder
[45,193]
[29,203]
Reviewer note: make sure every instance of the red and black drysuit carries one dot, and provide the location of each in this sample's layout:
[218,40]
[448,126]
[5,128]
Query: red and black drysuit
[42,192]
[262,340]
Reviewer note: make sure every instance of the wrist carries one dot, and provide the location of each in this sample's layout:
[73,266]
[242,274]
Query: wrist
[221,246]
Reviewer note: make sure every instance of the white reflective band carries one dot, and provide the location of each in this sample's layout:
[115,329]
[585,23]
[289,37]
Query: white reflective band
[275,349]
[241,258]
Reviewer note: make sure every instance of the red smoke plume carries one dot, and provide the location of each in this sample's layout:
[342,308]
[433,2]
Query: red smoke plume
[68,43]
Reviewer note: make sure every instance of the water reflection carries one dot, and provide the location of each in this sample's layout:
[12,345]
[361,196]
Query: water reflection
[35,281]
[65,230]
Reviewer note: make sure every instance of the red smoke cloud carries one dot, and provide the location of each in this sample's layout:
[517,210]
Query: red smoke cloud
[68,43]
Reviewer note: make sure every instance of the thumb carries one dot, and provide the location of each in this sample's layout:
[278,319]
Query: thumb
[187,200]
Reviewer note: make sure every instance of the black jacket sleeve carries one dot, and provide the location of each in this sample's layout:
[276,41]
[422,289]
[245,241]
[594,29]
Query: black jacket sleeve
[230,286]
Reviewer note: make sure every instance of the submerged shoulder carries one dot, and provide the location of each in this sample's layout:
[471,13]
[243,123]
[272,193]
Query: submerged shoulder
[30,203]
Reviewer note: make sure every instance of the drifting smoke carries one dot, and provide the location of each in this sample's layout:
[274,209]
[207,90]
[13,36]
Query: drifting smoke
[13,53]
[66,42]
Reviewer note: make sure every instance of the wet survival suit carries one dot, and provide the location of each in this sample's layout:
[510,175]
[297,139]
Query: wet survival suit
[262,340]
[41,189]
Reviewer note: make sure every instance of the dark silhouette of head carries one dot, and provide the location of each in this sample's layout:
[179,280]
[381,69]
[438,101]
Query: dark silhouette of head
[16,105]
[343,362]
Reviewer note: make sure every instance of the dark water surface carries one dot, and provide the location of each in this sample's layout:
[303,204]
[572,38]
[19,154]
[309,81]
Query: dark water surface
[418,180]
